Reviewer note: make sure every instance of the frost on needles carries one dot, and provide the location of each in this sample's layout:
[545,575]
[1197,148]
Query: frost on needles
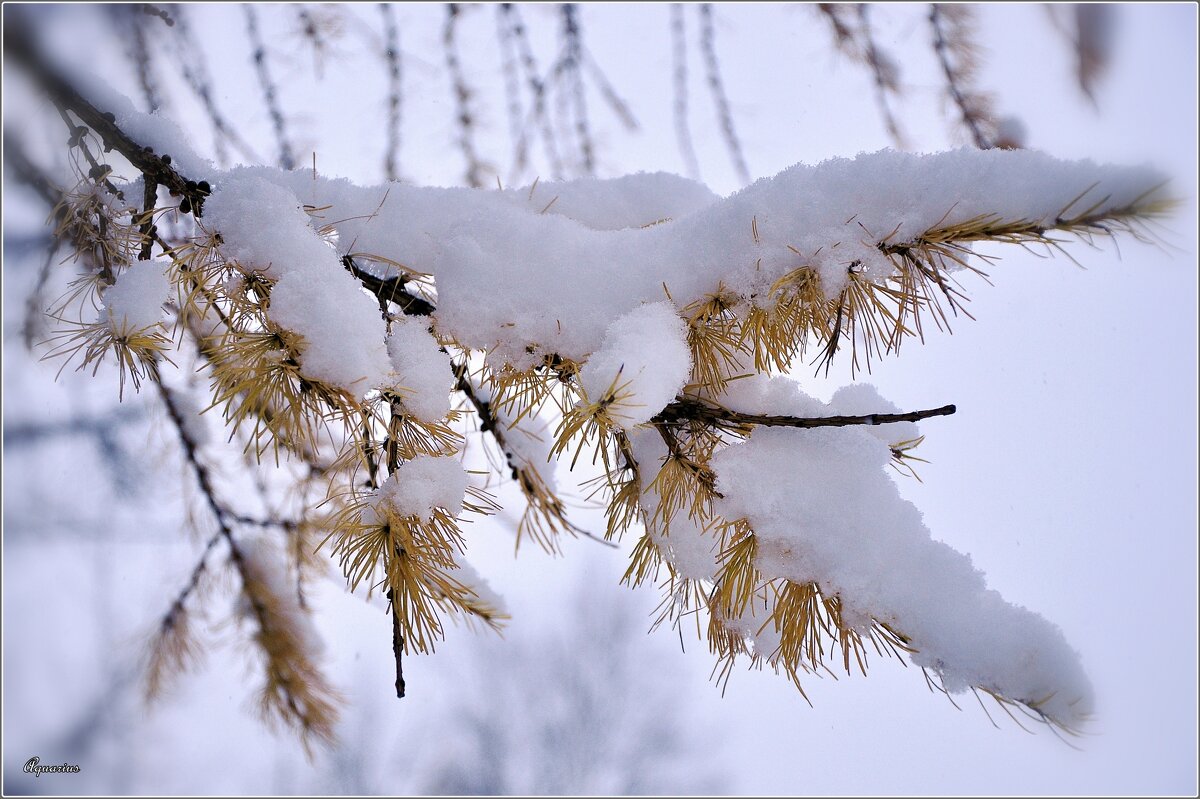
[641,323]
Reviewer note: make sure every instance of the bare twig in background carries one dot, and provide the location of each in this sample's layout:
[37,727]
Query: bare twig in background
[462,98]
[132,24]
[512,76]
[572,71]
[1094,25]
[609,93]
[847,42]
[852,34]
[312,32]
[1088,28]
[953,44]
[28,173]
[391,53]
[538,88]
[885,73]
[270,94]
[295,691]
[194,67]
[683,133]
[724,115]
[33,326]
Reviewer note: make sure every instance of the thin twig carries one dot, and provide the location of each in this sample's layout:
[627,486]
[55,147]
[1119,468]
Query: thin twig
[270,94]
[884,73]
[391,53]
[720,99]
[462,97]
[972,107]
[683,133]
[194,68]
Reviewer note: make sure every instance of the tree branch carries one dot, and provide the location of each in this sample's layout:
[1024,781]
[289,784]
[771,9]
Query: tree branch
[18,43]
[688,409]
[397,645]
[390,289]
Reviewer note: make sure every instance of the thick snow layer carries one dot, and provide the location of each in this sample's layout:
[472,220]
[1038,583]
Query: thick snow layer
[135,300]
[510,277]
[265,229]
[824,510]
[423,376]
[632,201]
[423,484]
[548,268]
[643,362]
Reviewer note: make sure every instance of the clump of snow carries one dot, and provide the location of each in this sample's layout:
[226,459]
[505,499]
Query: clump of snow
[643,362]
[522,277]
[423,484]
[422,372]
[825,510]
[264,227]
[134,302]
[763,395]
[241,204]
[343,334]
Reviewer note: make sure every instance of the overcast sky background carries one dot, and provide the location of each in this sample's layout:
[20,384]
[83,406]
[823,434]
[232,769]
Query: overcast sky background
[1068,473]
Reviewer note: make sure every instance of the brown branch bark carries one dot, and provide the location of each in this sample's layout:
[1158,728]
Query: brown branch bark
[397,645]
[390,289]
[18,43]
[686,409]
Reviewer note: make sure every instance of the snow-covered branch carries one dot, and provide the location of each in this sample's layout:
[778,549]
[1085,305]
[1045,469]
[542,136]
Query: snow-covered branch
[639,319]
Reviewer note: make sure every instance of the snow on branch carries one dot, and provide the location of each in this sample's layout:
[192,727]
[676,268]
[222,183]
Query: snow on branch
[644,316]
